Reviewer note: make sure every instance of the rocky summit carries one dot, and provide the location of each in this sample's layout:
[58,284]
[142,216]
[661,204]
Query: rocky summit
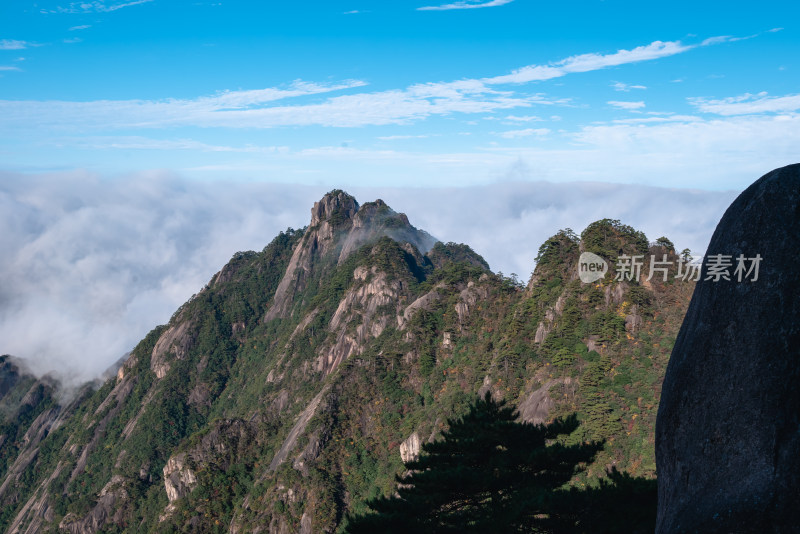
[728,430]
[290,390]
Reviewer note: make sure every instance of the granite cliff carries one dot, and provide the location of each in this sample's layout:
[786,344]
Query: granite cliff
[728,429]
[289,389]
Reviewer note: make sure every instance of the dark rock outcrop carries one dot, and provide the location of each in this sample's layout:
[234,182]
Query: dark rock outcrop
[9,375]
[728,429]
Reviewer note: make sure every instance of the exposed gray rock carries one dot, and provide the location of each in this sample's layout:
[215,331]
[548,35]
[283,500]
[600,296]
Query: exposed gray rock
[176,340]
[486,386]
[468,298]
[633,321]
[305,524]
[335,202]
[311,451]
[537,406]
[541,332]
[281,401]
[179,478]
[338,228]
[360,306]
[108,509]
[728,428]
[425,301]
[447,340]
[298,428]
[614,294]
[410,448]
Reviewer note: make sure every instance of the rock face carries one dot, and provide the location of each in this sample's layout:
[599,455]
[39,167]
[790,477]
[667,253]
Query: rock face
[728,428]
[410,448]
[179,479]
[537,406]
[175,341]
[339,226]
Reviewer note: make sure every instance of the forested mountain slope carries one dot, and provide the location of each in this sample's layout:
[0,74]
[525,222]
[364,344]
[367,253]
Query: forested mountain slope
[289,390]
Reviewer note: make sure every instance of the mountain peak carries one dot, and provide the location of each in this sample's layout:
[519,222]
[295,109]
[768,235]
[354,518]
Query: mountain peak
[335,205]
[339,227]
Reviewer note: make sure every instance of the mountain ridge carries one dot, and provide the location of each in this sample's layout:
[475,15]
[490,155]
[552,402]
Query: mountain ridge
[288,390]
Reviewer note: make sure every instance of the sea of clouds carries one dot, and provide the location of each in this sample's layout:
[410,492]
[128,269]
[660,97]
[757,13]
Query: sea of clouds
[90,264]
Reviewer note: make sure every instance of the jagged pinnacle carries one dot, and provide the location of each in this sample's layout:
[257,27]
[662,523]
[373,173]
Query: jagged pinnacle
[335,203]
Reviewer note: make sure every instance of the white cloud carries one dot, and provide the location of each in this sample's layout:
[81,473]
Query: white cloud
[619,86]
[244,99]
[513,134]
[91,264]
[13,44]
[242,109]
[657,119]
[7,68]
[144,143]
[717,153]
[716,40]
[73,40]
[506,222]
[732,39]
[353,12]
[97,6]
[248,109]
[591,62]
[626,105]
[81,27]
[523,118]
[748,104]
[394,137]
[466,4]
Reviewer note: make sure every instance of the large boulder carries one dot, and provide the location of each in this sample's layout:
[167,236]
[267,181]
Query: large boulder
[728,428]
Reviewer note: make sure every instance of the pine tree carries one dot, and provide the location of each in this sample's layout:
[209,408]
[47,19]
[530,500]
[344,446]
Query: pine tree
[488,473]
[619,503]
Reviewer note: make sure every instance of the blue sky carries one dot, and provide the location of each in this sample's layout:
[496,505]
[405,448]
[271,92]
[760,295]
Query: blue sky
[143,142]
[417,93]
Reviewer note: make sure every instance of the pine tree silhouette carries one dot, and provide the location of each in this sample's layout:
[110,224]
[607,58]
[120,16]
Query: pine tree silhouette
[488,473]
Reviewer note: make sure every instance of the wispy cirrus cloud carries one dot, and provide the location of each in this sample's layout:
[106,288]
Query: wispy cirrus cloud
[630,106]
[13,44]
[591,62]
[144,143]
[97,6]
[399,137]
[225,109]
[8,68]
[657,119]
[81,27]
[466,4]
[248,109]
[527,132]
[522,118]
[255,109]
[624,87]
[748,104]
[726,39]
[244,99]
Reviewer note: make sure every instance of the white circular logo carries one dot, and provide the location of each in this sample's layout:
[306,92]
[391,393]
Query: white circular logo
[591,267]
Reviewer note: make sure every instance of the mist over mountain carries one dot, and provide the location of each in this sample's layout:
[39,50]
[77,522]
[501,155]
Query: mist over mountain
[90,263]
[291,388]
